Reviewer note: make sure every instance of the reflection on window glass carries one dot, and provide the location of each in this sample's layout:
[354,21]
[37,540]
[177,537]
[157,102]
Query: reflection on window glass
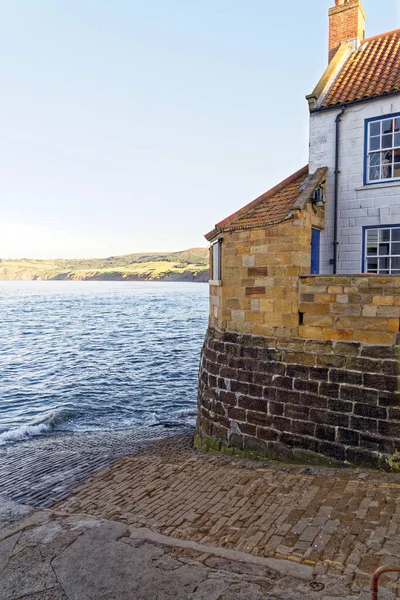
[395,263]
[382,250]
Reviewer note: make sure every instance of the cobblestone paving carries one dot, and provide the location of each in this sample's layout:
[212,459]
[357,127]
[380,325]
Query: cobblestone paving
[42,471]
[330,519]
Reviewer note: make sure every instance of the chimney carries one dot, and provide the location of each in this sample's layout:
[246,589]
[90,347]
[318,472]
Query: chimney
[346,24]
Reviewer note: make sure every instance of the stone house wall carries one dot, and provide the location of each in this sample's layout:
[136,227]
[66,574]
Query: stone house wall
[260,267]
[297,366]
[359,205]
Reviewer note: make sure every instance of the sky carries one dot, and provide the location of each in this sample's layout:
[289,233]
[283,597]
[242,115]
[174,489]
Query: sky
[132,126]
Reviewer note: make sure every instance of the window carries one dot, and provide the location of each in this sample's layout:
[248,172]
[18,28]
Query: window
[216,261]
[383,150]
[382,250]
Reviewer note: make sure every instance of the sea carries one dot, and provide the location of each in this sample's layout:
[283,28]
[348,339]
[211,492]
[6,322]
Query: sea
[98,357]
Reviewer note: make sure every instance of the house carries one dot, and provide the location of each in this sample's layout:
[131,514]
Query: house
[301,351]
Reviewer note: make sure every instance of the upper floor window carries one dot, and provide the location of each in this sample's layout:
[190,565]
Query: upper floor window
[382,250]
[216,261]
[383,149]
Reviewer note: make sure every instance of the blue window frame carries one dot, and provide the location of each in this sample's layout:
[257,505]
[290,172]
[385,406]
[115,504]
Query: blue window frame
[315,251]
[382,149]
[381,250]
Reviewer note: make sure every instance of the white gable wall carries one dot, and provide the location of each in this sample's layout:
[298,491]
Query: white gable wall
[359,206]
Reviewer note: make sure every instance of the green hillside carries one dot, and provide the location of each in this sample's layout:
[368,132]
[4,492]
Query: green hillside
[188,265]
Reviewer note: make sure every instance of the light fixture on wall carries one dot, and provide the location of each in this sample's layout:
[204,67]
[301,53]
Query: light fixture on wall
[318,198]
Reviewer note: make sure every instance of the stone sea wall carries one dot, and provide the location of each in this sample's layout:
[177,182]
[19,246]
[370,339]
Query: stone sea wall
[299,398]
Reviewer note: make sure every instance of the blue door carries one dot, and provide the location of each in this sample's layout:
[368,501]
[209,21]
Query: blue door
[315,251]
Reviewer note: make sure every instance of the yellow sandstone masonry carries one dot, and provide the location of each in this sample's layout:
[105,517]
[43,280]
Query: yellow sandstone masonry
[359,308]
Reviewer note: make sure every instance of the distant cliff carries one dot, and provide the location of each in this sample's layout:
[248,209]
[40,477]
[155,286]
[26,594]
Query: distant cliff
[188,265]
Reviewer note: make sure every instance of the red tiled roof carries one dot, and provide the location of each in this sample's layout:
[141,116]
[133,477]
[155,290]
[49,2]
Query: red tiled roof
[272,207]
[372,70]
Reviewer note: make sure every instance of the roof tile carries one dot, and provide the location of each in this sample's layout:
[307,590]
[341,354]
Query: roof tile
[371,71]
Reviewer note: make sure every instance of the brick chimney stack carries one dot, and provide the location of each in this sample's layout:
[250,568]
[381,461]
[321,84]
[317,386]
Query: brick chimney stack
[346,24]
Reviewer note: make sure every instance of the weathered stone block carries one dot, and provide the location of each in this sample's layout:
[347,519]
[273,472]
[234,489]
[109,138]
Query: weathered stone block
[331,390]
[348,437]
[257,404]
[381,382]
[259,418]
[342,406]
[366,425]
[391,430]
[325,432]
[237,414]
[306,386]
[345,376]
[329,418]
[333,450]
[370,411]
[267,434]
[255,291]
[296,411]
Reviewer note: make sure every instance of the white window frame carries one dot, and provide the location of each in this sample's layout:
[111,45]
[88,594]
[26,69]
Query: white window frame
[373,152]
[392,252]
[216,266]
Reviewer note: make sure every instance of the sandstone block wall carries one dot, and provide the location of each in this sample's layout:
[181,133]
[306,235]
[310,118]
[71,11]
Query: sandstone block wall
[280,397]
[360,308]
[260,277]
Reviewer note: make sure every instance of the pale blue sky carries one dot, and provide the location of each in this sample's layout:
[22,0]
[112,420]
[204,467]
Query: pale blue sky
[135,126]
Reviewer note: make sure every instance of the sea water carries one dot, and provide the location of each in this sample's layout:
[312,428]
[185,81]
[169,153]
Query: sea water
[98,356]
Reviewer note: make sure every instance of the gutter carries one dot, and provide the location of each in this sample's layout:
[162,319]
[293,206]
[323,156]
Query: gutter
[354,102]
[337,173]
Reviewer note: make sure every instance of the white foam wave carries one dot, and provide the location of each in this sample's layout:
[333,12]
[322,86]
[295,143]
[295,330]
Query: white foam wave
[24,432]
[40,427]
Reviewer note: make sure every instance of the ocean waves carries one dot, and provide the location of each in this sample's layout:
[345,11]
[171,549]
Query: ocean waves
[98,356]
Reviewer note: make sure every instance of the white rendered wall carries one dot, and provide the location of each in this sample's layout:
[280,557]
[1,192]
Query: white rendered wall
[358,205]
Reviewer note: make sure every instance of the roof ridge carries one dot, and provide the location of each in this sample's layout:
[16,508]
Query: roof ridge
[380,35]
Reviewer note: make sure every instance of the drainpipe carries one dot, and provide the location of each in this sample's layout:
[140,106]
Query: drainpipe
[337,172]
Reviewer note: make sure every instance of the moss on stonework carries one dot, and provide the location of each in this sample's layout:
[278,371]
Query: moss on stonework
[394,462]
[296,456]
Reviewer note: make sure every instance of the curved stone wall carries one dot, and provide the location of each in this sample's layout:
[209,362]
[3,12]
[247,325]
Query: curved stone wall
[297,398]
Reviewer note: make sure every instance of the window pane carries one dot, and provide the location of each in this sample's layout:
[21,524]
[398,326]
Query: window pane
[387,126]
[384,249]
[396,262]
[396,170]
[374,173]
[395,248]
[375,128]
[384,265]
[396,234]
[216,261]
[387,169]
[372,265]
[375,159]
[384,235]
[375,143]
[372,242]
[387,141]
[396,155]
[396,140]
[387,172]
